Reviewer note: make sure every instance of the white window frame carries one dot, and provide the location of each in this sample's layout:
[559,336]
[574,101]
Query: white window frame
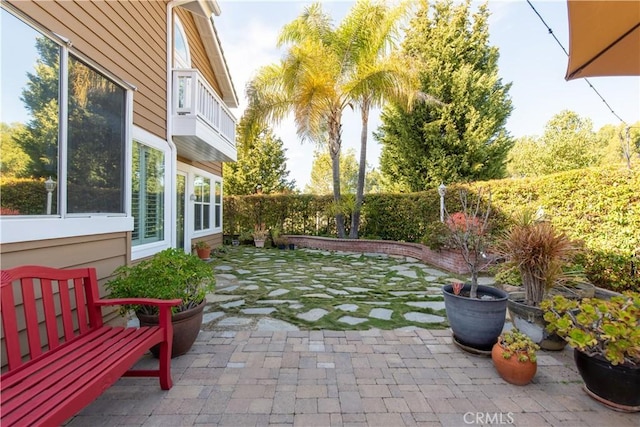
[178,62]
[32,228]
[191,173]
[147,138]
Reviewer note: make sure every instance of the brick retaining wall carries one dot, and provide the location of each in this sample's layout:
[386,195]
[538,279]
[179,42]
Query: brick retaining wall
[447,260]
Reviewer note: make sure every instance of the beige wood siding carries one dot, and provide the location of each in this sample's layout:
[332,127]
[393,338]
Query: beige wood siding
[198,54]
[125,38]
[211,167]
[105,252]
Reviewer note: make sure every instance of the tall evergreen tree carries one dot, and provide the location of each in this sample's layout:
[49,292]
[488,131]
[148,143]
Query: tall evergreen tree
[261,162]
[465,137]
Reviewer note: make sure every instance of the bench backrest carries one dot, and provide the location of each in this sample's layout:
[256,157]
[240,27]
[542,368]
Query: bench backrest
[52,305]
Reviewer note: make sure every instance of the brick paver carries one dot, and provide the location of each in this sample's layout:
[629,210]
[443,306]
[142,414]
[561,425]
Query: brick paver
[351,378]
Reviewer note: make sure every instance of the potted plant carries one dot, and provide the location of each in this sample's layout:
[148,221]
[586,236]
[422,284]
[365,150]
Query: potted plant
[514,356]
[203,249]
[169,274]
[476,313]
[605,335]
[260,234]
[539,252]
[245,237]
[278,239]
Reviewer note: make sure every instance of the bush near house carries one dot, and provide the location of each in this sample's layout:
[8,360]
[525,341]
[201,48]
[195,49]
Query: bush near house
[28,196]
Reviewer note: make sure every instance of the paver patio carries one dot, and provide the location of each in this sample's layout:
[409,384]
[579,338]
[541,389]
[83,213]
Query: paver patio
[251,373]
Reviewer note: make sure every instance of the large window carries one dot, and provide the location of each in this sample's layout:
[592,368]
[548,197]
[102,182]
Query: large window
[205,196]
[147,194]
[202,203]
[63,129]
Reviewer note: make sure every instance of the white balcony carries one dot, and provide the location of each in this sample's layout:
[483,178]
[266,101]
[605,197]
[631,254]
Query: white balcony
[203,128]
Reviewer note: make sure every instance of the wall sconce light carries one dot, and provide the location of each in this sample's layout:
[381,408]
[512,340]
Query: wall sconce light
[192,197]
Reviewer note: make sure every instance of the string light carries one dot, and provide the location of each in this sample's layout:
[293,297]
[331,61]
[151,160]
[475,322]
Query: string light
[566,53]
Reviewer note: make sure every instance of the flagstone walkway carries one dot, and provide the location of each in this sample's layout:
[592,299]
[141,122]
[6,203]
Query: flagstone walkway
[251,367]
[270,289]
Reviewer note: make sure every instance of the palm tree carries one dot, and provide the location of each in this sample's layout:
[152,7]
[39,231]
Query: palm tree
[324,71]
[380,75]
[309,82]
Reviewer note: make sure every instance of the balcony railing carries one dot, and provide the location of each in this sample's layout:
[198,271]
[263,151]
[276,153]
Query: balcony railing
[196,103]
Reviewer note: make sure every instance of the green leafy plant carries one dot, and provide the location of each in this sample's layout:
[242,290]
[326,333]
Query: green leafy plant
[245,237]
[539,252]
[201,244]
[167,275]
[436,235]
[277,237]
[597,327]
[515,343]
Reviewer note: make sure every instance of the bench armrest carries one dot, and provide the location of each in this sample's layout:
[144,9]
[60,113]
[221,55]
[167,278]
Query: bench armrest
[138,301]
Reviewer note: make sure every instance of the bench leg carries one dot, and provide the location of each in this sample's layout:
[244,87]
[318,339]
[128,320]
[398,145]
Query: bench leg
[165,366]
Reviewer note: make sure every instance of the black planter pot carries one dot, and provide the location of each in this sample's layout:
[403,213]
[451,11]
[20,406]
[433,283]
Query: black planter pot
[615,386]
[477,322]
[186,327]
[530,321]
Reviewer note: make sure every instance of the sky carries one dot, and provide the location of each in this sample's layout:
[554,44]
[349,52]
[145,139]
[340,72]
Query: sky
[529,58]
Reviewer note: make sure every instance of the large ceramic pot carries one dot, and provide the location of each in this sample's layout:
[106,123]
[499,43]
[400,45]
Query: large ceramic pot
[616,386]
[476,322]
[186,327]
[530,321]
[512,370]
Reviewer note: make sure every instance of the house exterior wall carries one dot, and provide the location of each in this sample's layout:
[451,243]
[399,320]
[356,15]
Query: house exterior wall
[199,58]
[127,40]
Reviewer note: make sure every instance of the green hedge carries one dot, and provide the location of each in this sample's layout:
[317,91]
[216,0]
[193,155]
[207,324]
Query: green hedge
[599,206]
[27,196]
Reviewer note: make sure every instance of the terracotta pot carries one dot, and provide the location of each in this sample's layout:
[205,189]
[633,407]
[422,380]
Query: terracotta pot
[204,253]
[186,327]
[512,370]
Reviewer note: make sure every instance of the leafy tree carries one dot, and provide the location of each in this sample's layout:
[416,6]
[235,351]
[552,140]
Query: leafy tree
[261,161]
[622,143]
[14,161]
[524,157]
[568,143]
[39,139]
[465,137]
[321,179]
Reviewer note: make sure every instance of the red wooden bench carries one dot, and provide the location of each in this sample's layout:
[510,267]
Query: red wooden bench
[68,357]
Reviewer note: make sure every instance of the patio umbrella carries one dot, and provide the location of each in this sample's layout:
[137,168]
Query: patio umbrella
[604,38]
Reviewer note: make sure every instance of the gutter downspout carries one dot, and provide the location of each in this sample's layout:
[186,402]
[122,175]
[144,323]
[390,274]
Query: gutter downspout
[174,150]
